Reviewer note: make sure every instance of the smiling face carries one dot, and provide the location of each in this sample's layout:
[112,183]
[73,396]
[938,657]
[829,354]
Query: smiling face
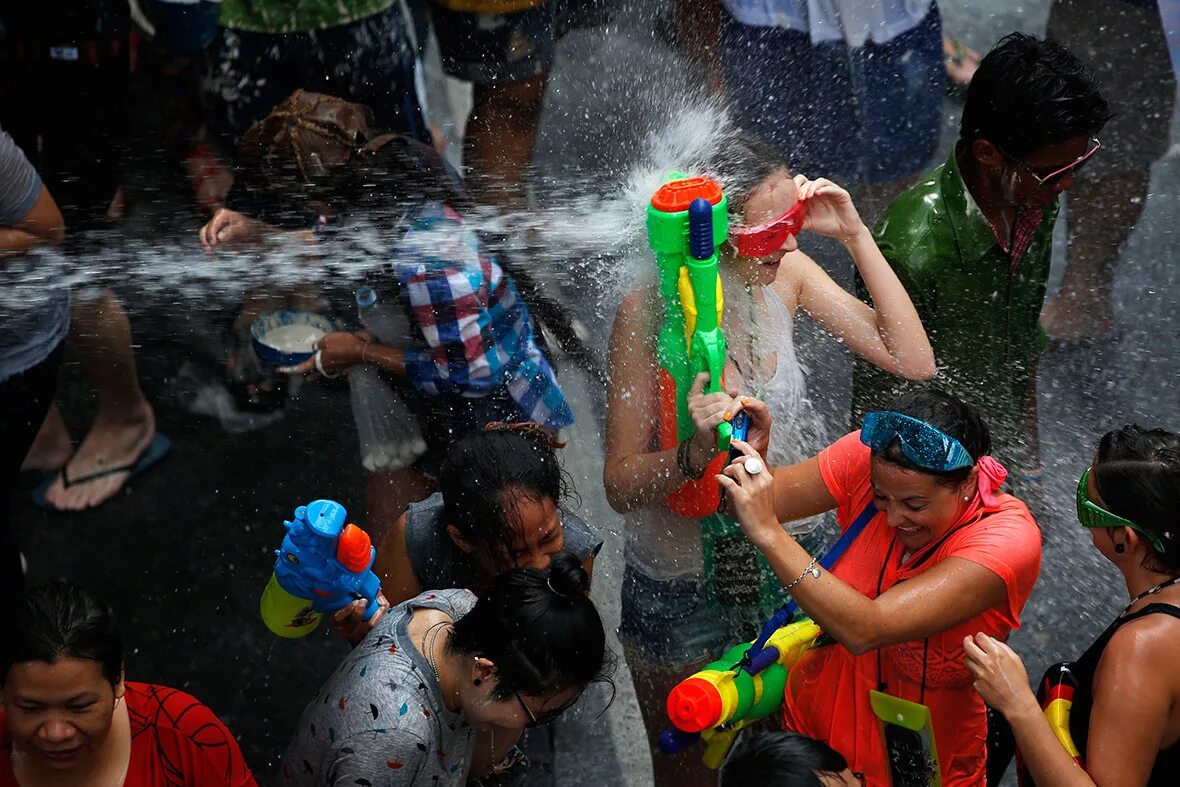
[919,506]
[61,712]
[770,199]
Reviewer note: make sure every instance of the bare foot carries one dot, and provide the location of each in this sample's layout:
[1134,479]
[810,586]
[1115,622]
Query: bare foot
[961,61]
[110,443]
[52,447]
[1071,317]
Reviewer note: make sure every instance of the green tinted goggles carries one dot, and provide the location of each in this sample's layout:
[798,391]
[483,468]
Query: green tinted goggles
[1094,516]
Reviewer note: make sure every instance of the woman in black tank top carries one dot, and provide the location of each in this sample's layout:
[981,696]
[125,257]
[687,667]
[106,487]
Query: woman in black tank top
[1125,717]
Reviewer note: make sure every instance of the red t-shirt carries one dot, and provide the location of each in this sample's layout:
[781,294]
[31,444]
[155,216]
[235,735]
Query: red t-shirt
[828,690]
[175,742]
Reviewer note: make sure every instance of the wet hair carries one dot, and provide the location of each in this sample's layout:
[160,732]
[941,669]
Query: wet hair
[740,166]
[487,475]
[56,619]
[319,147]
[1137,475]
[539,628]
[1029,93]
[780,758]
[949,415]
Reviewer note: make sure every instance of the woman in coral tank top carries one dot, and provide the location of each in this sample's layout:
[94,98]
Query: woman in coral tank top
[942,555]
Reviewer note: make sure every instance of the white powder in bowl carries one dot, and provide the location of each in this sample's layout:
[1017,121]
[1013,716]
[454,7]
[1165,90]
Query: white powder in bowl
[297,338]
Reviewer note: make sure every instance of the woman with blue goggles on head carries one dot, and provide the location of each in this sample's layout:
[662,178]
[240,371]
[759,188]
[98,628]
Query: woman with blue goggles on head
[942,554]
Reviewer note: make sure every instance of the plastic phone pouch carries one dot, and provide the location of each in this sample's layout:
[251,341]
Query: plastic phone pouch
[909,740]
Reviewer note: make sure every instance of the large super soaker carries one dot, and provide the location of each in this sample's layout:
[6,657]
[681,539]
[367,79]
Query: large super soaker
[323,565]
[716,703]
[687,221]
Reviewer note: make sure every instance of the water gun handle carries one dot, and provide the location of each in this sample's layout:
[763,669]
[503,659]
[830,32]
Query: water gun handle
[674,741]
[768,655]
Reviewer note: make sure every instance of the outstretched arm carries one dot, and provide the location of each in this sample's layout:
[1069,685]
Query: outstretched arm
[41,225]
[888,334]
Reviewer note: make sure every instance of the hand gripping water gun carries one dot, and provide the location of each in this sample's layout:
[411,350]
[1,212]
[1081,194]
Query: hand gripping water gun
[323,565]
[687,221]
[715,703]
[746,684]
[1056,697]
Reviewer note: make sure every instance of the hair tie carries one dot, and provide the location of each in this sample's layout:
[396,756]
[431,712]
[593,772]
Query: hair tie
[990,478]
[556,592]
[527,429]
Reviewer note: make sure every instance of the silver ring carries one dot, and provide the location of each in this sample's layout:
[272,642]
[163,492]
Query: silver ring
[319,366]
[753,465]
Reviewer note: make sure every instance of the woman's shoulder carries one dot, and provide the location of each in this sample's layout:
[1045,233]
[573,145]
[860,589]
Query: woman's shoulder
[176,723]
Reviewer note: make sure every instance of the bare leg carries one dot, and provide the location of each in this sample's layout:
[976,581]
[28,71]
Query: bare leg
[500,137]
[125,423]
[652,685]
[52,447]
[1101,216]
[387,496]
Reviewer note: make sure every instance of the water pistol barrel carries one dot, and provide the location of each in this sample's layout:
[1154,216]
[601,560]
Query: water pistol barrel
[323,565]
[687,221]
[722,694]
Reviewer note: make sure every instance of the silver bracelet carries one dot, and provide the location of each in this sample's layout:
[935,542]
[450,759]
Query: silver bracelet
[812,569]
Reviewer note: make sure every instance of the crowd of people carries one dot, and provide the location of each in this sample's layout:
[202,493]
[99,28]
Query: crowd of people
[313,133]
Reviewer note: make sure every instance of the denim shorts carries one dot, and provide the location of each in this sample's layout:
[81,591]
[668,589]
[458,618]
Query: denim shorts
[670,619]
[863,115]
[489,49]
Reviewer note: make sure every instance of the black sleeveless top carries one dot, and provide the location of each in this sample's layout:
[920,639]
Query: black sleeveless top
[1166,770]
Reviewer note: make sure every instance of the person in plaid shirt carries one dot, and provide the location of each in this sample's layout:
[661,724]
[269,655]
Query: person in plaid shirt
[468,352]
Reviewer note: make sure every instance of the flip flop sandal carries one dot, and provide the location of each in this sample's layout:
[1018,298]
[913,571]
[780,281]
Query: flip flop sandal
[156,450]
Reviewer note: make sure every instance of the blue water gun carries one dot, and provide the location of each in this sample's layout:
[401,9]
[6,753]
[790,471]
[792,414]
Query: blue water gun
[323,565]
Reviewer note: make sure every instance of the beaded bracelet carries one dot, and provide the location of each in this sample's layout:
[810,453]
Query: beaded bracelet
[812,569]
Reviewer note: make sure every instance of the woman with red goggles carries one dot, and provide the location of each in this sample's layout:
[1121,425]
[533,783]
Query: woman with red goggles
[667,629]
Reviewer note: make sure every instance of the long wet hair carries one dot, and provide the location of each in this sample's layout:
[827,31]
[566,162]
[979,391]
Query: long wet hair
[486,476]
[771,759]
[539,628]
[56,620]
[1137,475]
[1029,93]
[949,415]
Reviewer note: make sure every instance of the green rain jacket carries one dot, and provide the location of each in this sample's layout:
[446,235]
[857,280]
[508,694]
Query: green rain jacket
[982,319]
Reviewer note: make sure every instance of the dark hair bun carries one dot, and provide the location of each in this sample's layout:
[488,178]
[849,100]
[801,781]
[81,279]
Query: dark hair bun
[567,575]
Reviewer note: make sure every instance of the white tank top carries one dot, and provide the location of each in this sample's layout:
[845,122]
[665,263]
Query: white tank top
[663,545]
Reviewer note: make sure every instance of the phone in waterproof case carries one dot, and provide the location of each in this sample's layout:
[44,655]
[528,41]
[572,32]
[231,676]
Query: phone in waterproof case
[909,740]
[741,428]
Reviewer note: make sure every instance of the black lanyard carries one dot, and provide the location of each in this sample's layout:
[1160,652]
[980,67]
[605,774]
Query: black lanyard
[925,642]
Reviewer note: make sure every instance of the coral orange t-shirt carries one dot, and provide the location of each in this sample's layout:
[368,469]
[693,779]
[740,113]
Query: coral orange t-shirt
[827,695]
[175,742]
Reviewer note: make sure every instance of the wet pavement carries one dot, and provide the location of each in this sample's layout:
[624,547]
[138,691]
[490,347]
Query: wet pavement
[184,552]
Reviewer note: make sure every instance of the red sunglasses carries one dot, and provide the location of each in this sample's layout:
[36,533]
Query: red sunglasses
[763,239]
[1054,177]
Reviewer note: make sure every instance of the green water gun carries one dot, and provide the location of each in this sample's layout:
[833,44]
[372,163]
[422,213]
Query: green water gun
[687,221]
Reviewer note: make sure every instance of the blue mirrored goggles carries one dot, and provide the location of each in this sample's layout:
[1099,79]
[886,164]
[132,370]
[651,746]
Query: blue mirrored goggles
[920,442]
